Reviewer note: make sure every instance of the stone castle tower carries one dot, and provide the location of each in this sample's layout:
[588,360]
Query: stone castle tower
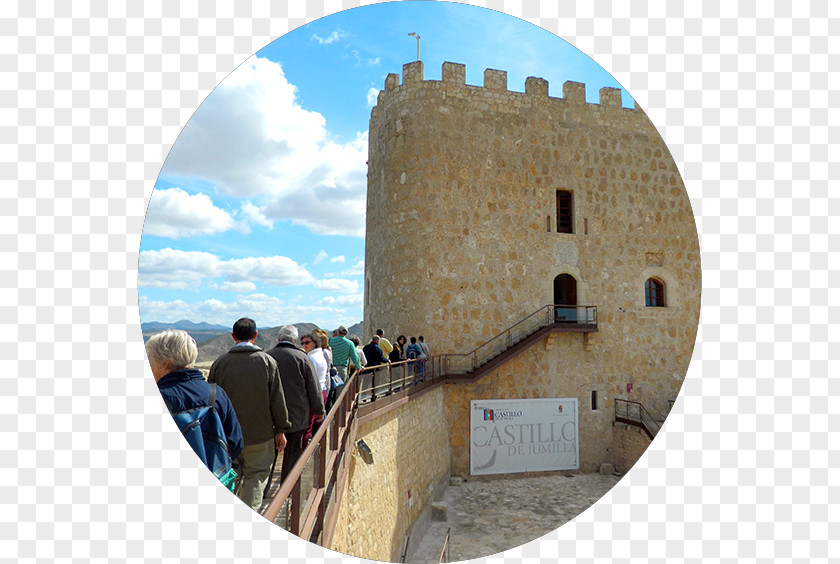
[486,204]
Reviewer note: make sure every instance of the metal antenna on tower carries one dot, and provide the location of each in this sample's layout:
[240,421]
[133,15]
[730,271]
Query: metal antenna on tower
[415,35]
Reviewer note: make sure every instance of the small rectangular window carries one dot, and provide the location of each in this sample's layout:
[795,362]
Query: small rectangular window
[565,221]
[594,400]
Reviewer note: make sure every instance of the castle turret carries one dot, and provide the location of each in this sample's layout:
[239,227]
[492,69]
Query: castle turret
[486,204]
[462,234]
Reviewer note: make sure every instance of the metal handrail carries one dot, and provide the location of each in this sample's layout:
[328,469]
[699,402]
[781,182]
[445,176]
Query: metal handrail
[507,333]
[634,413]
[544,316]
[315,519]
[402,376]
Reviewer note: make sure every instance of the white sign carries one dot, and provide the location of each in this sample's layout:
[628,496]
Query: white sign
[523,435]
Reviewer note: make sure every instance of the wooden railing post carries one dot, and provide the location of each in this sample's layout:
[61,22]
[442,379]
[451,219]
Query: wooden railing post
[294,509]
[322,482]
[373,385]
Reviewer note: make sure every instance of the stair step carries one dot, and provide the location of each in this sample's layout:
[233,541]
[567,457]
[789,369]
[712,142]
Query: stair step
[439,510]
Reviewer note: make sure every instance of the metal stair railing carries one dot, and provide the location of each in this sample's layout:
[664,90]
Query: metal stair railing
[512,335]
[634,413]
[388,383]
[561,315]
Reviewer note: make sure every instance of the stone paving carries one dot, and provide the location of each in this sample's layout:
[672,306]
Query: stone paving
[489,516]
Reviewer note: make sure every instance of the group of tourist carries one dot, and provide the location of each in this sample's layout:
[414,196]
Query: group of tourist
[381,351]
[268,401]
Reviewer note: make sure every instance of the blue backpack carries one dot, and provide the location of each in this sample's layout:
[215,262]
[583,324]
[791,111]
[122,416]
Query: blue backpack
[414,351]
[203,429]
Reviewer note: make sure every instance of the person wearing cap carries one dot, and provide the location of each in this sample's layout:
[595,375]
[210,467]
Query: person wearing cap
[343,351]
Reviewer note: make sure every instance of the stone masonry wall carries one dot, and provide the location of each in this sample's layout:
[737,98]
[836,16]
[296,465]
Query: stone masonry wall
[629,444]
[385,499]
[559,366]
[462,241]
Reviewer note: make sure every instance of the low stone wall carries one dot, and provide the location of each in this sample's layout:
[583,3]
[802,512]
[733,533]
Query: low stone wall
[386,500]
[628,445]
[562,366]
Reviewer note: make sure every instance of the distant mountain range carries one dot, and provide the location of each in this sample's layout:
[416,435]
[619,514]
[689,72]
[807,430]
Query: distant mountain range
[215,340]
[184,324]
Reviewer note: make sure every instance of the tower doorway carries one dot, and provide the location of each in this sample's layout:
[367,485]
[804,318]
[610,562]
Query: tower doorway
[565,298]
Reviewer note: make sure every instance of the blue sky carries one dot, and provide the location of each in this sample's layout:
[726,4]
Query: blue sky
[259,209]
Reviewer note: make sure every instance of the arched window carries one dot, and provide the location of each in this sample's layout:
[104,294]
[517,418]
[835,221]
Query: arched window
[654,293]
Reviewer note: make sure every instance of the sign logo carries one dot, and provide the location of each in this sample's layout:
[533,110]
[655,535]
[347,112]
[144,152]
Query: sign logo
[488,415]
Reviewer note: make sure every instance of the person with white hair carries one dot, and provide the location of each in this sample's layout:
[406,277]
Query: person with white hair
[172,355]
[302,391]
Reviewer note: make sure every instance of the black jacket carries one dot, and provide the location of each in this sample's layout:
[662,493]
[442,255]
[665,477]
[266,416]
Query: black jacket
[300,384]
[374,354]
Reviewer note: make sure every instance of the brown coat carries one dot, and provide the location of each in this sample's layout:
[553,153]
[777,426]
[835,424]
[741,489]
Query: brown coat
[300,384]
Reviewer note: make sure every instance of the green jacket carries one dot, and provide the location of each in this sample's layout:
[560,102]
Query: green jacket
[344,351]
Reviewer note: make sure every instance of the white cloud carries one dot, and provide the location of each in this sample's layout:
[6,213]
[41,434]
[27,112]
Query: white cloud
[337,285]
[357,269]
[251,138]
[253,214]
[372,96]
[334,37]
[339,258]
[171,268]
[265,310]
[279,271]
[375,62]
[349,300]
[322,254]
[174,213]
[175,269]
[239,287]
[332,196]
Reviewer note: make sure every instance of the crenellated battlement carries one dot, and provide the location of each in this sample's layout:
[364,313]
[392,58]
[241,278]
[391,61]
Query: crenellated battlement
[453,78]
